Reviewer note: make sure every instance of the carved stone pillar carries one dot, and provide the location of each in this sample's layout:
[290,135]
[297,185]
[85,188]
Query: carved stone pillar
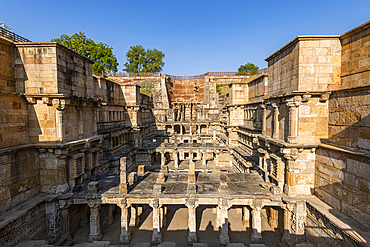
[276,121]
[266,166]
[293,104]
[123,185]
[223,214]
[181,132]
[192,221]
[287,221]
[256,237]
[191,175]
[125,236]
[217,157]
[134,220]
[176,159]
[95,232]
[60,106]
[95,118]
[263,119]
[53,217]
[204,160]
[64,203]
[157,235]
[108,215]
[80,120]
[163,159]
[291,169]
[298,219]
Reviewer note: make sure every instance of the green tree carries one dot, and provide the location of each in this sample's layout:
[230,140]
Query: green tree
[101,54]
[249,67]
[141,60]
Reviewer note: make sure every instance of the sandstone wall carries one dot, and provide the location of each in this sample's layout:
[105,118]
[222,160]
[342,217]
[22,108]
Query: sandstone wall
[319,63]
[342,179]
[237,93]
[257,88]
[43,121]
[186,90]
[13,120]
[313,121]
[52,68]
[355,57]
[13,108]
[19,176]
[7,79]
[284,70]
[349,119]
[307,63]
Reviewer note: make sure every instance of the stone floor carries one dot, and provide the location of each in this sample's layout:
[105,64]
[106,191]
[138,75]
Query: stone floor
[239,185]
[176,229]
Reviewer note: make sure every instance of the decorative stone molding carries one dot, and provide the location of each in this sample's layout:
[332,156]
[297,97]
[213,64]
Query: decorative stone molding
[31,100]
[324,97]
[60,104]
[47,100]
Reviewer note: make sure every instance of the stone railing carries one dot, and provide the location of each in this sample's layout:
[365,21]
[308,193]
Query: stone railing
[272,167]
[11,35]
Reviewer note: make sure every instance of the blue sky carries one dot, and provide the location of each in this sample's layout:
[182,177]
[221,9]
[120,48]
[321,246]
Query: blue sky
[196,36]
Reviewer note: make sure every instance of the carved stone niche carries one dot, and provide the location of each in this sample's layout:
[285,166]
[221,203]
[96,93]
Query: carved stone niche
[76,168]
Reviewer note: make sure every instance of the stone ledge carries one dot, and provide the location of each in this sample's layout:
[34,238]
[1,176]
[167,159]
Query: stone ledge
[13,214]
[346,150]
[345,223]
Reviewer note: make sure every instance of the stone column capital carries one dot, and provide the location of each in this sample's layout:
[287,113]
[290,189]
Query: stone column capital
[294,101]
[155,203]
[192,203]
[60,104]
[92,203]
[257,205]
[96,106]
[289,207]
[64,203]
[31,100]
[80,106]
[123,203]
[223,204]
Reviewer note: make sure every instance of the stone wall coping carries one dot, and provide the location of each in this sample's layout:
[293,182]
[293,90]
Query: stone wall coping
[52,44]
[50,145]
[301,38]
[281,143]
[346,150]
[251,79]
[106,79]
[355,30]
[16,212]
[345,223]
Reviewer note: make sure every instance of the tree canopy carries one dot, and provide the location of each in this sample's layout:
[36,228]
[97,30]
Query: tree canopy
[100,53]
[141,60]
[249,67]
